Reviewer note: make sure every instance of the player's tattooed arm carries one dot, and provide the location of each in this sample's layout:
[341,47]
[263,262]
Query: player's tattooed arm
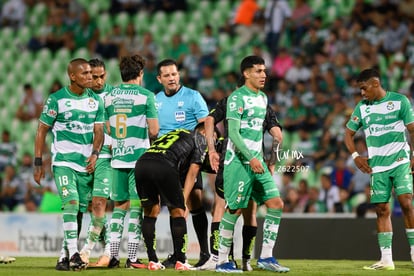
[273,152]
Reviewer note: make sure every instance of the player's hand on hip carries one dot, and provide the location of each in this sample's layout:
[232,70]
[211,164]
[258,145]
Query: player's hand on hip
[90,168]
[362,164]
[256,166]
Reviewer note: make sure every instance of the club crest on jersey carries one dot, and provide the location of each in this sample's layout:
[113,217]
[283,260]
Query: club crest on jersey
[92,103]
[240,110]
[390,106]
[65,192]
[67,115]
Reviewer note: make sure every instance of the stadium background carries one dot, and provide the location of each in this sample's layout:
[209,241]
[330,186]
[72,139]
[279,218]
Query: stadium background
[41,68]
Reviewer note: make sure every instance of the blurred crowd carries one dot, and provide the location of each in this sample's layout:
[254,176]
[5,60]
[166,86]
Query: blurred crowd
[312,65]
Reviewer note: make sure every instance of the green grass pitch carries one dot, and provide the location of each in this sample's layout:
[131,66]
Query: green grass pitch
[46,266]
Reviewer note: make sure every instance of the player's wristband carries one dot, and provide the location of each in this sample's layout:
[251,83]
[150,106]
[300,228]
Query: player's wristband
[355,155]
[38,161]
[95,152]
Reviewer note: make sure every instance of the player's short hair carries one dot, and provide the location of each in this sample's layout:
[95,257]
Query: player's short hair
[75,63]
[95,62]
[165,62]
[249,62]
[367,74]
[131,67]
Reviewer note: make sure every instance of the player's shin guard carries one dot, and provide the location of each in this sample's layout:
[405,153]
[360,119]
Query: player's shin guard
[148,231]
[94,232]
[180,239]
[117,227]
[134,231]
[227,225]
[385,244]
[106,234]
[70,227]
[270,231]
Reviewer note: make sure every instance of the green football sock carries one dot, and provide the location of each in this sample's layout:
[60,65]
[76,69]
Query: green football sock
[385,244]
[270,231]
[134,231]
[226,235]
[117,227]
[94,231]
[70,227]
[107,237]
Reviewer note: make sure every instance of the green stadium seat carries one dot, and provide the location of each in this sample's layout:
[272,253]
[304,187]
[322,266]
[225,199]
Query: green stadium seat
[160,19]
[206,7]
[141,21]
[94,8]
[104,23]
[225,42]
[178,20]
[7,35]
[81,53]
[122,19]
[226,63]
[114,77]
[317,5]
[63,55]
[218,18]
[37,16]
[4,99]
[191,32]
[104,5]
[224,7]
[192,4]
[45,55]
[330,14]
[23,35]
[197,18]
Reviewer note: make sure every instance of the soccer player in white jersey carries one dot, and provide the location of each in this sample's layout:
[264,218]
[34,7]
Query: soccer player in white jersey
[133,120]
[102,179]
[384,116]
[76,117]
[245,172]
[181,107]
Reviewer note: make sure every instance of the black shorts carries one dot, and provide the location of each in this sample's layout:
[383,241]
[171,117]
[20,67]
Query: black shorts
[155,178]
[219,184]
[197,185]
